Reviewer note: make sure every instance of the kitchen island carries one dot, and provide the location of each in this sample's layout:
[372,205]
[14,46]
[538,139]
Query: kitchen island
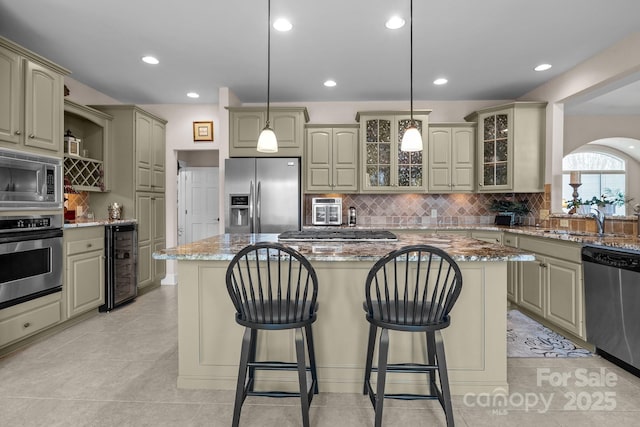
[209,338]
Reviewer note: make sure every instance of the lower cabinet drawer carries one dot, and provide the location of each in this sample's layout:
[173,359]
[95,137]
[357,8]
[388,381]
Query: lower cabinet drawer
[29,322]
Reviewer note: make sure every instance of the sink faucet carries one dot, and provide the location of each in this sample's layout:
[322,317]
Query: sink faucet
[599,217]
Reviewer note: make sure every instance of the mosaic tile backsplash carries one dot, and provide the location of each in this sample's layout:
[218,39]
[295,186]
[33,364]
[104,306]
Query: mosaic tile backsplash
[416,209]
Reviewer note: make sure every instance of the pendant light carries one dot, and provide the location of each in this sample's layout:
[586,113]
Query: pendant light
[412,139]
[267,141]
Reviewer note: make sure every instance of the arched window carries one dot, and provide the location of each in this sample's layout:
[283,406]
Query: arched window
[601,173]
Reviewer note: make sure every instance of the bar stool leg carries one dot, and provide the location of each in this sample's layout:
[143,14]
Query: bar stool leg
[302,377]
[252,357]
[444,379]
[369,363]
[312,358]
[242,376]
[431,359]
[382,374]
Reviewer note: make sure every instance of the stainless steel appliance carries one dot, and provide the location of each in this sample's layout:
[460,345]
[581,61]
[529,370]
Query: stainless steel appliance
[326,211]
[30,257]
[28,181]
[262,195]
[612,303]
[352,216]
[121,251]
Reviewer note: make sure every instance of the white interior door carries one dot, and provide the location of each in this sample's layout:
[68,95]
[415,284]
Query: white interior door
[198,210]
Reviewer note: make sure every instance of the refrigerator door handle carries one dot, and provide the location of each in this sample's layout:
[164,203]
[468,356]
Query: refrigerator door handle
[258,202]
[251,206]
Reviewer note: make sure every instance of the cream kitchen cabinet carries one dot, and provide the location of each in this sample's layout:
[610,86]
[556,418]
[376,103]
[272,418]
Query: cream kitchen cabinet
[31,98]
[511,147]
[93,128]
[150,208]
[23,320]
[150,152]
[451,157]
[246,123]
[552,286]
[137,182]
[511,240]
[84,285]
[384,167]
[331,159]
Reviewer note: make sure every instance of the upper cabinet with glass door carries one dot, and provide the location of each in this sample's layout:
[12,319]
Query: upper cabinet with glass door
[384,167]
[511,141]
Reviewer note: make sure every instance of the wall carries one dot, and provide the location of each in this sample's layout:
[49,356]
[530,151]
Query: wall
[415,209]
[618,63]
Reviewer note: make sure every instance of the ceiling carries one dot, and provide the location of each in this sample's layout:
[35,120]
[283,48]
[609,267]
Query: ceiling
[487,49]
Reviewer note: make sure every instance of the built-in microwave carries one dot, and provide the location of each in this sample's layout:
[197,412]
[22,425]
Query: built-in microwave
[29,181]
[326,210]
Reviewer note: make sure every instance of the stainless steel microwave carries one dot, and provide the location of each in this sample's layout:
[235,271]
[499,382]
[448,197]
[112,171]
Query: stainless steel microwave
[29,181]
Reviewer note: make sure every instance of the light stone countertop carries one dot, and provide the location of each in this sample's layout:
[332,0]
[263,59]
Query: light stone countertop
[97,222]
[622,241]
[462,249]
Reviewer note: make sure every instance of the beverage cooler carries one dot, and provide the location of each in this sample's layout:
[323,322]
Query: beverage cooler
[121,252]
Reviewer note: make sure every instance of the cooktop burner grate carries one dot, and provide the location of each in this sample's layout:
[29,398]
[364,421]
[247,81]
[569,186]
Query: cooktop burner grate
[338,235]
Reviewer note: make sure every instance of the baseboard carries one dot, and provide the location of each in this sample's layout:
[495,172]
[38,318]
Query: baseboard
[170,279]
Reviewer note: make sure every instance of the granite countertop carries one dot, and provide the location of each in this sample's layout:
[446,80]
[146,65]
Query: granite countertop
[97,222]
[623,241]
[223,247]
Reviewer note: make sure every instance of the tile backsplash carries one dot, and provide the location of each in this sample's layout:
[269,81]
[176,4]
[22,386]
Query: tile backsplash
[416,209]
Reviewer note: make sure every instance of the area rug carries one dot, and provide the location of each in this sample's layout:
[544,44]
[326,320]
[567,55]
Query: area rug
[528,338]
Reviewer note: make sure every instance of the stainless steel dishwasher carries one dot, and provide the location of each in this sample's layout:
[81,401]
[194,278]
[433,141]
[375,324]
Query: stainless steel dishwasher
[612,303]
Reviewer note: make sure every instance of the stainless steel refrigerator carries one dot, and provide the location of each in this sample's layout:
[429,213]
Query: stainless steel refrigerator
[262,195]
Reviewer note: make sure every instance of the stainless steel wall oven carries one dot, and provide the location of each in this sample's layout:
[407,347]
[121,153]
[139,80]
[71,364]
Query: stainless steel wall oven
[30,257]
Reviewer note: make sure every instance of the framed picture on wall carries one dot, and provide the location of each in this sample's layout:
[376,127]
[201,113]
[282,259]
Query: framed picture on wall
[203,131]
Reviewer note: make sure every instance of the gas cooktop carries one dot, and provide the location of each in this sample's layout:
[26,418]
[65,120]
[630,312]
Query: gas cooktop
[338,235]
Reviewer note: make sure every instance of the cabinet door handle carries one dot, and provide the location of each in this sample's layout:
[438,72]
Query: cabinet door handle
[32,136]
[89,245]
[543,265]
[26,324]
[18,132]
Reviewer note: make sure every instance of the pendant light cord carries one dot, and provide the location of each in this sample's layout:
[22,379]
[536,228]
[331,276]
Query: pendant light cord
[269,57]
[411,55]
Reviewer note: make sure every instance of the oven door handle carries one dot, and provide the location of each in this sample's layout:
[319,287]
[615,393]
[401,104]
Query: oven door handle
[21,236]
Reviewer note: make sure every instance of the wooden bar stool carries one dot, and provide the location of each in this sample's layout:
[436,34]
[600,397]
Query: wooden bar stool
[412,289]
[273,287]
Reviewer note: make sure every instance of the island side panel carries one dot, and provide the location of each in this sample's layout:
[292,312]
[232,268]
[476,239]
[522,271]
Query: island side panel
[209,338]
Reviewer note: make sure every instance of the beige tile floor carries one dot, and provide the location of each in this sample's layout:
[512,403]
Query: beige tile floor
[119,369]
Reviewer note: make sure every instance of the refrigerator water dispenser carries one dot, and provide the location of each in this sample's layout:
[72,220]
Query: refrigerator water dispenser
[239,210]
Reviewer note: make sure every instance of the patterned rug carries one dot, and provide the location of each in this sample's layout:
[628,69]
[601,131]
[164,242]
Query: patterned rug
[528,338]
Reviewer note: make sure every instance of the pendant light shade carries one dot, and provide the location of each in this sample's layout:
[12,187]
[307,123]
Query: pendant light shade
[412,139]
[267,141]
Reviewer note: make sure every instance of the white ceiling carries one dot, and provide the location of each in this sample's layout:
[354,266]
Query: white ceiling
[487,49]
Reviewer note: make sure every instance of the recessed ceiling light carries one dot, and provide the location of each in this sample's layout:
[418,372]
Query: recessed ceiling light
[282,24]
[330,83]
[394,23]
[632,146]
[543,67]
[150,60]
[440,81]
[193,95]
